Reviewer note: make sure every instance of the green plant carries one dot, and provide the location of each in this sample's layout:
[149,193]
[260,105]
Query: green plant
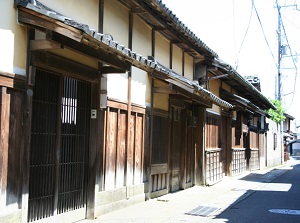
[276,115]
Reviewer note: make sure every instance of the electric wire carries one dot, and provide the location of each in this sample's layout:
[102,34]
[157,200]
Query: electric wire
[289,47]
[263,31]
[240,49]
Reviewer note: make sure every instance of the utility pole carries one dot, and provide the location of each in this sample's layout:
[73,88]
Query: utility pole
[278,88]
[278,96]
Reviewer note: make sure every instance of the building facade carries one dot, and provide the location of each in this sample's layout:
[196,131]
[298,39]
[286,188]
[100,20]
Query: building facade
[113,102]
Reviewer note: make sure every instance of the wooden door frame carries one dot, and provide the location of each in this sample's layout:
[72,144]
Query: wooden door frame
[226,137]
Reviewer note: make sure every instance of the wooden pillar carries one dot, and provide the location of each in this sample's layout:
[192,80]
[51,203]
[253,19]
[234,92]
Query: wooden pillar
[93,153]
[27,116]
[128,144]
[4,139]
[199,138]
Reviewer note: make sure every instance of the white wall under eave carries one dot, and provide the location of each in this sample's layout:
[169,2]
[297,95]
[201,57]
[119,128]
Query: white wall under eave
[116,21]
[141,44]
[214,87]
[140,87]
[162,50]
[83,12]
[13,40]
[177,59]
[117,86]
[188,67]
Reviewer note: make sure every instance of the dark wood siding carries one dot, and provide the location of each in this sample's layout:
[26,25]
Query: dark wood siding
[213,153]
[159,161]
[123,161]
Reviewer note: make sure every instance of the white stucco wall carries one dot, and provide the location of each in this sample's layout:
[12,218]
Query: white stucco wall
[141,44]
[273,155]
[86,13]
[214,86]
[13,40]
[177,59]
[116,23]
[162,50]
[188,66]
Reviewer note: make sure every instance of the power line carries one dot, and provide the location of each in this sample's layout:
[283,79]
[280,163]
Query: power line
[245,34]
[262,28]
[289,47]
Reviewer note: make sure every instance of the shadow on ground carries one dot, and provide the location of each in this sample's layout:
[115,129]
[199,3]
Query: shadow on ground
[276,201]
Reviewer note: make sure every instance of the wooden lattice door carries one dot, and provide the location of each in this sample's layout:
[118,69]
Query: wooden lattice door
[59,146]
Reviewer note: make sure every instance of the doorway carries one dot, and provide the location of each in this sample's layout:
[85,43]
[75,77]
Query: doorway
[59,148]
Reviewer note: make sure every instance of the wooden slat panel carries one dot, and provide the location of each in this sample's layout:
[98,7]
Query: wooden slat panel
[121,147]
[160,140]
[159,168]
[138,168]
[131,151]
[4,137]
[15,145]
[111,147]
[213,124]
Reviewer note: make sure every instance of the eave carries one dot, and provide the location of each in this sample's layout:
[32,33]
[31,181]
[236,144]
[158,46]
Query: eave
[161,19]
[81,38]
[241,85]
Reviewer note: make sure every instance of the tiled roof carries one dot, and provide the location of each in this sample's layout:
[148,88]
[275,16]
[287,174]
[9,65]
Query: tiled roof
[244,86]
[131,56]
[183,28]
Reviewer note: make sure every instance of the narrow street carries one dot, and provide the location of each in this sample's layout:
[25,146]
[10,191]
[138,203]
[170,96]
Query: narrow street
[277,201]
[271,195]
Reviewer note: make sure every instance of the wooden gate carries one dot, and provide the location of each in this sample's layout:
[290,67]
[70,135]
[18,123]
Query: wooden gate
[59,146]
[182,155]
[159,156]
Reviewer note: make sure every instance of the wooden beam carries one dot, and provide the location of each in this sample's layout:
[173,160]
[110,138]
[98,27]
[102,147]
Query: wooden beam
[110,70]
[70,37]
[13,81]
[34,19]
[102,55]
[164,90]
[61,65]
[44,45]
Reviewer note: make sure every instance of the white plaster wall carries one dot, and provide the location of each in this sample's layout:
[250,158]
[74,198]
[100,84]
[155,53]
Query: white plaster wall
[273,156]
[214,86]
[13,40]
[162,50]
[116,21]
[85,12]
[141,44]
[177,59]
[117,86]
[140,87]
[188,66]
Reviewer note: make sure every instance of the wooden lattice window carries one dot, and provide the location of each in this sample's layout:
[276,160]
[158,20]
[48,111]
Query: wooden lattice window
[213,124]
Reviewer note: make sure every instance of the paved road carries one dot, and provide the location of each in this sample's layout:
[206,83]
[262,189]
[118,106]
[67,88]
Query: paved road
[274,202]
[264,196]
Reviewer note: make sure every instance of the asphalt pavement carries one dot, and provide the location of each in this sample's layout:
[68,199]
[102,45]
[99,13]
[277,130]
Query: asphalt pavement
[269,195]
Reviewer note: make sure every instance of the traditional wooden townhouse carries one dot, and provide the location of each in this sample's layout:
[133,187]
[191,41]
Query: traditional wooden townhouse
[106,103]
[236,139]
